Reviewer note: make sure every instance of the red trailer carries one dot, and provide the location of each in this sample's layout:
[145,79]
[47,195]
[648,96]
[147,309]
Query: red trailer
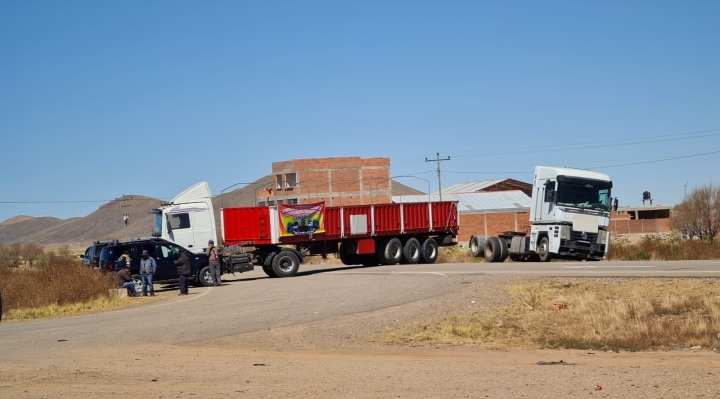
[279,237]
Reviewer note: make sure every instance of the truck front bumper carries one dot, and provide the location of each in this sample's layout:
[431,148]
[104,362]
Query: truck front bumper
[581,249]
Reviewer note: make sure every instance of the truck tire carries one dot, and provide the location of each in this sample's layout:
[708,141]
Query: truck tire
[368,260]
[477,245]
[269,271]
[412,251]
[543,250]
[285,264]
[503,249]
[429,251]
[493,250]
[346,258]
[391,252]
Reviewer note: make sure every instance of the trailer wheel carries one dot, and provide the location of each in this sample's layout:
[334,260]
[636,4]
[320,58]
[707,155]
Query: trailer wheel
[392,252]
[493,250]
[346,258]
[285,264]
[269,271]
[369,260]
[412,251]
[543,250]
[477,245]
[429,251]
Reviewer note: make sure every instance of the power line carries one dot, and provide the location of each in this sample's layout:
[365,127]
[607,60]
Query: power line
[438,160]
[53,202]
[655,161]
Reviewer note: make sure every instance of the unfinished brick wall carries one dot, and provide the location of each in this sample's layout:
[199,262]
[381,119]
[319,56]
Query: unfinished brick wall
[639,226]
[346,180]
[492,224]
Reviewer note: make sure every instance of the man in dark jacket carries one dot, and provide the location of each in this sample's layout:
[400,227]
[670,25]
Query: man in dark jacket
[183,270]
[124,280]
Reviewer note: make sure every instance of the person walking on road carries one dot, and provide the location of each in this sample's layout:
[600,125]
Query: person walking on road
[147,270]
[124,280]
[213,253]
[183,270]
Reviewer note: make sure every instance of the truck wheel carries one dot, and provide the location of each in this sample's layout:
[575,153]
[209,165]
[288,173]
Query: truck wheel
[206,277]
[368,260]
[543,250]
[493,251]
[285,264]
[269,271]
[429,251]
[346,258]
[503,249]
[391,252]
[477,246]
[411,251]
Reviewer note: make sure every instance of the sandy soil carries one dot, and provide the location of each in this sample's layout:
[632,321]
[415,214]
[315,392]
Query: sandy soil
[345,357]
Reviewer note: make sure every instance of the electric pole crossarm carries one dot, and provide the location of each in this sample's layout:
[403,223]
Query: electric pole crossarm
[438,160]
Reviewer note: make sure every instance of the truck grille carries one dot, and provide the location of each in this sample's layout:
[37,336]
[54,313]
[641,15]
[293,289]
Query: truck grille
[578,236]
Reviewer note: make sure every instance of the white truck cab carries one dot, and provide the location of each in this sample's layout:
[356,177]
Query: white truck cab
[188,220]
[569,219]
[571,211]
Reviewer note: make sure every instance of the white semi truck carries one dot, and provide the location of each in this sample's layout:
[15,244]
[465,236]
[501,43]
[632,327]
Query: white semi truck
[569,217]
[188,220]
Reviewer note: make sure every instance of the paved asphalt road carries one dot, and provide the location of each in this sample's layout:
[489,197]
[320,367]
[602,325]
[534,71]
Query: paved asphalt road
[253,302]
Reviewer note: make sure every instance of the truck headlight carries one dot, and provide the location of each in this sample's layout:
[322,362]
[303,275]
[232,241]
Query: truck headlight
[565,232]
[602,237]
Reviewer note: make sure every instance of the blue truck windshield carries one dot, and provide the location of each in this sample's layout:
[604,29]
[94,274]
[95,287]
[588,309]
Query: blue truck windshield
[583,196]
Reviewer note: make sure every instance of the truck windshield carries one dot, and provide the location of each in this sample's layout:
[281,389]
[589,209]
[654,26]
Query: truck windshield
[583,196]
[157,225]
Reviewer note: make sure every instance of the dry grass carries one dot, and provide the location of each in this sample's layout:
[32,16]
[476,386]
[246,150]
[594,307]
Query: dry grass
[637,315]
[99,304]
[457,255]
[62,287]
[653,248]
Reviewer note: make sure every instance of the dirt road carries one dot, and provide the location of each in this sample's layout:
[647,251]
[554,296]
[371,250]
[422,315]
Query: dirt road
[341,354]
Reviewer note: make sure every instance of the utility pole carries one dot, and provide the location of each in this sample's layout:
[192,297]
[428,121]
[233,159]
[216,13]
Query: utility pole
[686,183]
[438,160]
[126,216]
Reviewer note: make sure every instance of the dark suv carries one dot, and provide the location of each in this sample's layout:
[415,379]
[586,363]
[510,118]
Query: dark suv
[165,254]
[92,254]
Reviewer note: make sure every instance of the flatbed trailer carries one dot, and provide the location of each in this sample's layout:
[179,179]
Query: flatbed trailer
[361,234]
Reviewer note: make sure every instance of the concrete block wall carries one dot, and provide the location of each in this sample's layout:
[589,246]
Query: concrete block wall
[639,226]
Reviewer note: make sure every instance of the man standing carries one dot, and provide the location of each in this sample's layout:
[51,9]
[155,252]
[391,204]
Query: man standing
[147,269]
[183,270]
[124,280]
[215,269]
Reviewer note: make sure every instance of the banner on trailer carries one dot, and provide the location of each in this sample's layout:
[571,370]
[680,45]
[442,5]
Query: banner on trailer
[299,219]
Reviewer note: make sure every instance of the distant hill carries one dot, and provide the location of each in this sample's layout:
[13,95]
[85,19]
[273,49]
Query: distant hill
[107,222]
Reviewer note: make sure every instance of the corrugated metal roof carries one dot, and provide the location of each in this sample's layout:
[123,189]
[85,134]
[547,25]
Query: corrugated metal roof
[493,201]
[471,187]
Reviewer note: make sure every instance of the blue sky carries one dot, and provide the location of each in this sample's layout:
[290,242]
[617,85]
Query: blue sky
[101,99]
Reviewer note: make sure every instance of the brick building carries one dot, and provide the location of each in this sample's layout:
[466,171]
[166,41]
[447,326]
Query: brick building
[486,213]
[337,181]
[640,220]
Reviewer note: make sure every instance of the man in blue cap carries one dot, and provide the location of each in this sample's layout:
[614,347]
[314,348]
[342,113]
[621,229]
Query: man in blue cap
[147,270]
[213,255]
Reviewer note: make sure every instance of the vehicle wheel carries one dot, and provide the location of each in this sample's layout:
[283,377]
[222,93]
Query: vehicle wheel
[368,260]
[543,250]
[429,251]
[206,278]
[269,271]
[285,264]
[477,246]
[392,252]
[503,249]
[493,251]
[411,251]
[346,258]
